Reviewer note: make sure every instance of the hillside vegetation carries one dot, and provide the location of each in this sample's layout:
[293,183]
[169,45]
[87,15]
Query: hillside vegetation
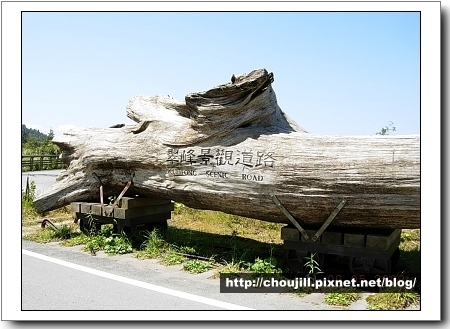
[35,142]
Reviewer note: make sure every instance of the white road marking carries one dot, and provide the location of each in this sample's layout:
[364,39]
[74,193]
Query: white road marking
[145,285]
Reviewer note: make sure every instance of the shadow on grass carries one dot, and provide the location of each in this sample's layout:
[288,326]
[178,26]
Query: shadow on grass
[223,248]
[409,261]
[233,248]
[229,248]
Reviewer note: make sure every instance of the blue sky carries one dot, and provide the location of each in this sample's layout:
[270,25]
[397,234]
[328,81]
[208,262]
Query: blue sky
[336,73]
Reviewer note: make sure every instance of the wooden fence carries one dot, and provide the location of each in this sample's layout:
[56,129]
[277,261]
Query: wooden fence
[41,162]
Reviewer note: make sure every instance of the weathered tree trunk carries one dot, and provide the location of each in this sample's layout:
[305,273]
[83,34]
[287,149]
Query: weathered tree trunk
[230,148]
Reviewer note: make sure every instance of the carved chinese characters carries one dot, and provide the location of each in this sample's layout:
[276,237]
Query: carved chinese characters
[219,163]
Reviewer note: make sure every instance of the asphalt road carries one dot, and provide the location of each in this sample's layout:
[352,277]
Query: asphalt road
[69,279]
[43,179]
[47,285]
[66,278]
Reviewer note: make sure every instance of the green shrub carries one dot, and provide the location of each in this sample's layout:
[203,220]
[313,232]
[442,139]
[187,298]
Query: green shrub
[196,266]
[28,195]
[153,245]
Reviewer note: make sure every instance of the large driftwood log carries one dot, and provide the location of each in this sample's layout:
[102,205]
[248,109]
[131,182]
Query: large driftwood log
[230,149]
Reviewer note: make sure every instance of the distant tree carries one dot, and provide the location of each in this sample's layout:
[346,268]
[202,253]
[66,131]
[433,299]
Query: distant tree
[35,142]
[50,135]
[387,129]
[30,132]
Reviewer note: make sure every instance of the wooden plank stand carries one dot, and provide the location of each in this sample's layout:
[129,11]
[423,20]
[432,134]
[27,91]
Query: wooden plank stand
[128,215]
[369,251]
[374,251]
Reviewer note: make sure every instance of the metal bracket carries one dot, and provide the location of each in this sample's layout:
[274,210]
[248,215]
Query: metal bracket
[329,220]
[289,216]
[301,229]
[46,222]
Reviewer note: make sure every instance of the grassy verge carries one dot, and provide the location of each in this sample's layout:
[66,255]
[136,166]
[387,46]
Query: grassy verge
[393,299]
[203,240]
[342,298]
[198,240]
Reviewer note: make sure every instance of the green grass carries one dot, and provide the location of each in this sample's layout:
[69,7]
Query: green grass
[231,267]
[196,266]
[117,245]
[171,257]
[264,266]
[112,245]
[49,234]
[223,242]
[28,195]
[393,299]
[107,241]
[153,246]
[76,240]
[342,298]
[409,251]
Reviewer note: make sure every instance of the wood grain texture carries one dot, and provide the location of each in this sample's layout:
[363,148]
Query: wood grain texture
[232,146]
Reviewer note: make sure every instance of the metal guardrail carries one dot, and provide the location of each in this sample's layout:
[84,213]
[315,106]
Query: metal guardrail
[41,162]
